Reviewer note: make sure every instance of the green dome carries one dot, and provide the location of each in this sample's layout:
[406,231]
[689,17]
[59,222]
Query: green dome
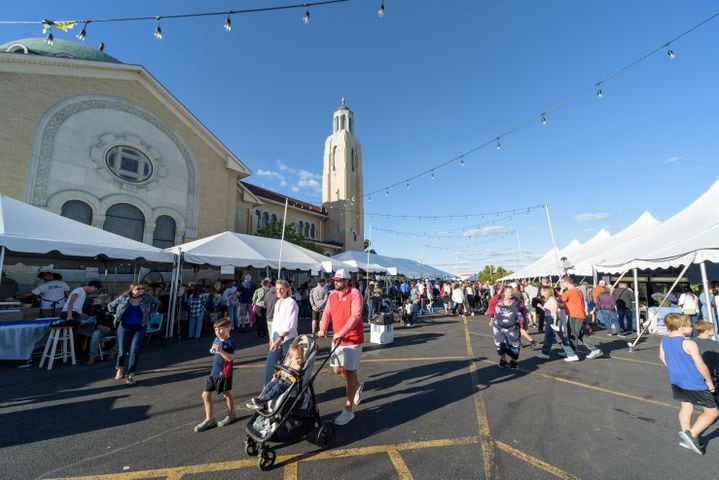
[60,48]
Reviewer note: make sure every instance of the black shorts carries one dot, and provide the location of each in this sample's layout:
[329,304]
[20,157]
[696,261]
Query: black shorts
[219,385]
[700,398]
[316,315]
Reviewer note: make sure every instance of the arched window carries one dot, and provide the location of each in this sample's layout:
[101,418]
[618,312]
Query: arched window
[259,219]
[300,227]
[337,123]
[334,158]
[342,122]
[307,230]
[273,219]
[353,159]
[265,219]
[78,211]
[164,236]
[351,126]
[126,220]
[312,231]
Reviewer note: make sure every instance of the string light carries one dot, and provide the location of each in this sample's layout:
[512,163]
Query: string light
[600,94]
[369,198]
[380,10]
[544,120]
[50,39]
[433,177]
[407,185]
[83,33]
[461,162]
[158,30]
[670,53]
[386,193]
[306,17]
[101,47]
[499,145]
[228,24]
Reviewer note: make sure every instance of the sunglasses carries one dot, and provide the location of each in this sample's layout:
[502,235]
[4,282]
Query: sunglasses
[139,288]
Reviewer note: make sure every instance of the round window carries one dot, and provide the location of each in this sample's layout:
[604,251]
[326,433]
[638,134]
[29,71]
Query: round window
[129,164]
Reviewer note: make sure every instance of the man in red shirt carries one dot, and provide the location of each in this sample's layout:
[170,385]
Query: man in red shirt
[344,310]
[576,316]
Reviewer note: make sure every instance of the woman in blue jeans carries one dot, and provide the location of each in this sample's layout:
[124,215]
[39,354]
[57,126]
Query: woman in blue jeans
[132,311]
[283,329]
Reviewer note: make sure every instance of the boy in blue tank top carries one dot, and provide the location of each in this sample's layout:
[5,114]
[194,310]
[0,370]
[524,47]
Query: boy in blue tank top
[690,379]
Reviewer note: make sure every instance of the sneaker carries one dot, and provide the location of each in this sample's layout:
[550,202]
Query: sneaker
[624,333]
[502,364]
[130,379]
[513,365]
[358,394]
[690,442]
[595,354]
[533,345]
[562,353]
[699,444]
[572,358]
[255,404]
[205,425]
[542,356]
[344,418]
[227,420]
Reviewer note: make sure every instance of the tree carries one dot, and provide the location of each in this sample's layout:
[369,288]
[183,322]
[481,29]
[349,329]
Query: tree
[365,246]
[274,230]
[490,273]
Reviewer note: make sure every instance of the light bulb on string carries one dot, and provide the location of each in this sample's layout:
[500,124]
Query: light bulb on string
[228,24]
[461,162]
[386,193]
[544,120]
[670,53]
[600,94]
[433,177]
[50,39]
[407,185]
[306,17]
[380,10]
[101,47]
[369,198]
[83,33]
[499,145]
[158,30]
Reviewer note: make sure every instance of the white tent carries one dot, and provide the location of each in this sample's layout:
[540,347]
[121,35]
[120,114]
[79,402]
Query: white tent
[688,236]
[547,265]
[598,251]
[359,260]
[404,266]
[240,250]
[28,229]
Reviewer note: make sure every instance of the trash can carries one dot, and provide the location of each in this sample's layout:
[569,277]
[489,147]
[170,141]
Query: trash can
[381,328]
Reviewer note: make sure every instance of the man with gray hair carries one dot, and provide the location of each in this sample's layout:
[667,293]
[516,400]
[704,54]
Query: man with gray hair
[318,299]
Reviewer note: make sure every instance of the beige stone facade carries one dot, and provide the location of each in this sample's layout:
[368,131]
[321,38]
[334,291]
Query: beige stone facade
[86,136]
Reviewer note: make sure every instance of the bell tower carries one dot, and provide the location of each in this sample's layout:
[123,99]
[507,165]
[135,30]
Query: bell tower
[342,182]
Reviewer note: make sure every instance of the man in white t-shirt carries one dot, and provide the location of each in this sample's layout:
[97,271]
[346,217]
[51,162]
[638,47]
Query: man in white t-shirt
[52,293]
[72,311]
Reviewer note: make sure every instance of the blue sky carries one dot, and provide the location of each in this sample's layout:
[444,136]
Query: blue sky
[432,80]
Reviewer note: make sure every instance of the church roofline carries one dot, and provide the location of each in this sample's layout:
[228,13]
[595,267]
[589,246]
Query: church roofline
[17,63]
[279,199]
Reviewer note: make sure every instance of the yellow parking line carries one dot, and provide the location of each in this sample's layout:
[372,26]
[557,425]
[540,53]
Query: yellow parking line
[481,413]
[398,462]
[593,387]
[536,462]
[291,471]
[410,359]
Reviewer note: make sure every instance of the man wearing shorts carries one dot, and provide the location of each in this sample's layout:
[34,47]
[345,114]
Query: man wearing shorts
[318,299]
[344,310]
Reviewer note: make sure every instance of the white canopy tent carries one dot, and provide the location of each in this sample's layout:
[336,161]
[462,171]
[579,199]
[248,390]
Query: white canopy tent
[547,265]
[404,266]
[29,229]
[240,250]
[359,260]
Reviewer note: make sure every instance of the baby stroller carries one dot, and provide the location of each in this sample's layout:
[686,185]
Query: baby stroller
[292,415]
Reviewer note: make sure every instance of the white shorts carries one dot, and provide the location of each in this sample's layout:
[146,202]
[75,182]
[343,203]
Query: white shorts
[347,357]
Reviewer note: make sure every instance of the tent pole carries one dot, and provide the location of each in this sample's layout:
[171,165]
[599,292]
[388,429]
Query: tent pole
[170,327]
[619,279]
[369,247]
[709,301]
[282,240]
[594,276]
[2,261]
[551,234]
[637,322]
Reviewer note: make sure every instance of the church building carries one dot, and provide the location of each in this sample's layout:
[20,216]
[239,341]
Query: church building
[104,143]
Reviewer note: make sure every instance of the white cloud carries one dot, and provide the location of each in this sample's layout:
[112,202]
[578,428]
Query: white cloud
[671,160]
[490,230]
[267,173]
[587,217]
[298,180]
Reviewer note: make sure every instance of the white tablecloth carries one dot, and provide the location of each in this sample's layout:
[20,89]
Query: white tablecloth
[18,341]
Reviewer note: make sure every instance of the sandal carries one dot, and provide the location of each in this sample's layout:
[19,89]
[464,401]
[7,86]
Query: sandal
[119,374]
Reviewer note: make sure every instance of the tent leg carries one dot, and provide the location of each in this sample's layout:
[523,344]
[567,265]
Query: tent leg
[710,301]
[2,261]
[637,311]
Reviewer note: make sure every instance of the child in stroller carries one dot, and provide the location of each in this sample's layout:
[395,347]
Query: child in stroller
[286,411]
[282,379]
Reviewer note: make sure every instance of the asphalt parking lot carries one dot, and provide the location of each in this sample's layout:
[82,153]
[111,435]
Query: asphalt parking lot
[436,407]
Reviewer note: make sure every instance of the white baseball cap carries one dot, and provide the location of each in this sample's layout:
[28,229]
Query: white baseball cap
[341,274]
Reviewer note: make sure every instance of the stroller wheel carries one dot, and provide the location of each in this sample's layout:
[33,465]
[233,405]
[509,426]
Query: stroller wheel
[266,459]
[250,447]
[325,435]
